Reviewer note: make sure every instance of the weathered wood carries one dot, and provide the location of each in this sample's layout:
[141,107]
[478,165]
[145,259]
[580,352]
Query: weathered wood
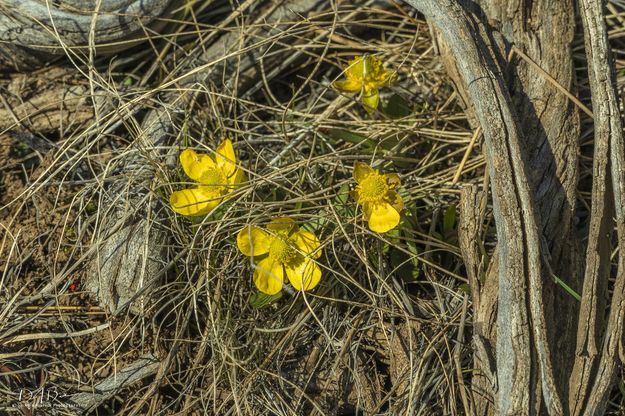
[32,32]
[543,32]
[524,370]
[596,364]
[594,294]
[483,286]
[84,403]
[50,99]
[565,384]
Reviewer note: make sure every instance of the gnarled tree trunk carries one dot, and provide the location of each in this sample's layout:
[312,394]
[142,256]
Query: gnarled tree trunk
[537,349]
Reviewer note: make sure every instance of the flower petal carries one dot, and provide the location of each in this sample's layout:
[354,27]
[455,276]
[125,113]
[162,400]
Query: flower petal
[194,201]
[283,225]
[396,201]
[349,86]
[195,164]
[253,241]
[362,171]
[225,158]
[392,179]
[307,243]
[355,69]
[305,276]
[268,276]
[237,178]
[386,78]
[371,99]
[383,217]
[367,209]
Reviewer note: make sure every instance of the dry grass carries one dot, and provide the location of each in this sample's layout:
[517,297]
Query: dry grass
[386,332]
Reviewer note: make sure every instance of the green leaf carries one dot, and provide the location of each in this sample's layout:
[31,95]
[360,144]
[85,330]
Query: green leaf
[412,248]
[314,226]
[342,202]
[465,288]
[21,150]
[449,219]
[567,288]
[342,196]
[405,261]
[350,137]
[91,208]
[400,262]
[391,139]
[405,266]
[395,107]
[260,300]
[436,235]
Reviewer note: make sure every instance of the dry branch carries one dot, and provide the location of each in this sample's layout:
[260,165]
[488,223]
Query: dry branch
[534,46]
[33,32]
[143,367]
[476,49]
[596,365]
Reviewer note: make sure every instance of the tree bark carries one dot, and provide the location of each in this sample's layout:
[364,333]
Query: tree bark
[547,360]
[524,372]
[598,353]
[543,32]
[33,32]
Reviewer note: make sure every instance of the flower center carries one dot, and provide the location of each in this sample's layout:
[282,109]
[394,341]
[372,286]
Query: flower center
[281,251]
[373,188]
[367,71]
[215,180]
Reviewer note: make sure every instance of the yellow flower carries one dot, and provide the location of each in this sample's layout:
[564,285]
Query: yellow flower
[365,74]
[217,176]
[282,249]
[376,193]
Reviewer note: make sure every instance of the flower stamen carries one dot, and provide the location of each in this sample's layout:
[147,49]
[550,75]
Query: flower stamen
[373,188]
[215,179]
[281,251]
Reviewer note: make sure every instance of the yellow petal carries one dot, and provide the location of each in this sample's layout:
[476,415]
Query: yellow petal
[386,78]
[375,72]
[237,178]
[253,241]
[305,276]
[362,171]
[367,208]
[194,201]
[371,99]
[268,276]
[195,164]
[307,243]
[396,201]
[347,86]
[383,217]
[283,225]
[225,158]
[355,69]
[392,179]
